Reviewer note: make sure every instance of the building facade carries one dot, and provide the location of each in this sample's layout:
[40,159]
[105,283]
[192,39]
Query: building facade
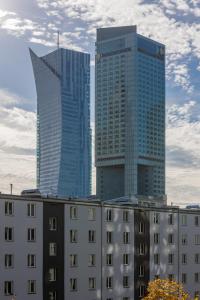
[63,123]
[129,114]
[53,249]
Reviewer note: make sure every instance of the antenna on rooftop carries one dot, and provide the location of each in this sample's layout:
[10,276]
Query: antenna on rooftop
[58,39]
[11,188]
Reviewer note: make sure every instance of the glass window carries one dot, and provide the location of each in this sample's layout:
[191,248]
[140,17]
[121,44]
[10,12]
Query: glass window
[109,282]
[126,237]
[8,288]
[109,215]
[91,214]
[73,236]
[126,216]
[184,220]
[91,236]
[156,238]
[31,286]
[73,284]
[9,208]
[109,259]
[53,223]
[126,259]
[9,234]
[184,258]
[52,249]
[73,212]
[92,283]
[156,259]
[31,234]
[91,260]
[31,210]
[184,278]
[31,260]
[156,218]
[52,295]
[73,260]
[125,281]
[52,274]
[9,261]
[109,236]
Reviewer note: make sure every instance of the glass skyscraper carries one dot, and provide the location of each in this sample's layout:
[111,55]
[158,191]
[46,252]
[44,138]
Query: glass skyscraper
[63,123]
[130,114]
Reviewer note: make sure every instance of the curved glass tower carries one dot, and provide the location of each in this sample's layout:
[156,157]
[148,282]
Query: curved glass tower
[63,123]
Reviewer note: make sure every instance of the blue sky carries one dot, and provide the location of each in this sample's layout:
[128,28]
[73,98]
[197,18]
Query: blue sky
[34,24]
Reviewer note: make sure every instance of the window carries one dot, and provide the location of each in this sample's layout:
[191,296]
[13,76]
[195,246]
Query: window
[52,249]
[196,294]
[31,210]
[170,258]
[31,287]
[156,218]
[184,258]
[9,261]
[170,239]
[91,236]
[197,258]
[141,249]
[125,281]
[52,295]
[109,259]
[9,208]
[109,215]
[52,274]
[109,282]
[141,290]
[126,258]
[197,239]
[156,238]
[184,220]
[73,284]
[126,237]
[73,260]
[73,212]
[91,260]
[31,234]
[184,239]
[170,219]
[8,288]
[9,235]
[31,261]
[92,283]
[156,259]
[53,223]
[73,236]
[91,214]
[171,277]
[184,278]
[141,271]
[126,216]
[196,220]
[156,277]
[141,227]
[197,277]
[109,237]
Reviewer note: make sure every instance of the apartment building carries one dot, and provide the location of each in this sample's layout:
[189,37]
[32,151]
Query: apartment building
[55,249]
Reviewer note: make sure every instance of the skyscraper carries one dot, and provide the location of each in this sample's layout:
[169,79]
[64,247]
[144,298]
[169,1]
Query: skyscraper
[130,114]
[63,122]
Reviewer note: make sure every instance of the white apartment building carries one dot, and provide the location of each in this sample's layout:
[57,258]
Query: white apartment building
[54,249]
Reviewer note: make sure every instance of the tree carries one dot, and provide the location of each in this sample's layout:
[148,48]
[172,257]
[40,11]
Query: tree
[165,289]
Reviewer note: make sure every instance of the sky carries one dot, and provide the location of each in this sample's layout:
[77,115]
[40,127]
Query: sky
[34,23]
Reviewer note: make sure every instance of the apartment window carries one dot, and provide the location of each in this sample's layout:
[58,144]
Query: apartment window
[52,249]
[142,290]
[9,261]
[73,236]
[126,258]
[73,260]
[184,258]
[73,212]
[8,288]
[197,239]
[170,219]
[156,259]
[156,238]
[141,270]
[184,220]
[196,294]
[73,284]
[126,237]
[109,215]
[170,238]
[156,218]
[170,258]
[31,260]
[196,220]
[9,208]
[53,223]
[92,283]
[31,286]
[125,281]
[109,259]
[52,295]
[52,274]
[171,277]
[109,282]
[91,236]
[91,214]
[31,210]
[31,234]
[141,227]
[9,234]
[109,237]
[156,277]
[141,249]
[197,277]
[184,239]
[197,258]
[184,278]
[91,260]
[126,216]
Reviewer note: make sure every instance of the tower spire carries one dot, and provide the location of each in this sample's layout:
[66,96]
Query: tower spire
[58,39]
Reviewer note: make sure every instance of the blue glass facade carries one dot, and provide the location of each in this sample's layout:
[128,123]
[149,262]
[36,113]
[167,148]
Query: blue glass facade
[63,123]
[130,114]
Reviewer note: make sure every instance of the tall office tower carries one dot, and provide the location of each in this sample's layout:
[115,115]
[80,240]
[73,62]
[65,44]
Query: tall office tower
[63,123]
[130,114]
